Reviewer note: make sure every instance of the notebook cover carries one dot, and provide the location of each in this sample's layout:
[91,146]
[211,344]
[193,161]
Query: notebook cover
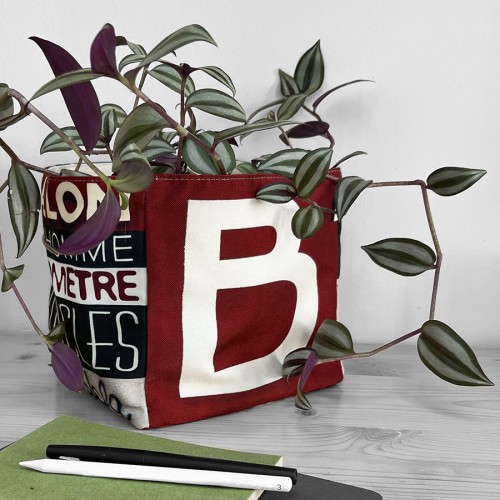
[18,483]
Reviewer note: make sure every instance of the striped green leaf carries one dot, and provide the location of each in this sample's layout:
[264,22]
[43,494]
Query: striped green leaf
[140,126]
[24,205]
[65,80]
[320,99]
[130,59]
[57,333]
[402,256]
[307,221]
[448,356]
[249,128]
[137,55]
[448,181]
[53,143]
[131,152]
[277,192]
[11,120]
[283,162]
[347,191]
[6,102]
[200,162]
[348,157]
[158,146]
[10,275]
[294,362]
[263,108]
[216,103]
[310,70]
[170,77]
[288,86]
[290,106]
[301,401]
[113,117]
[134,171]
[176,40]
[68,172]
[311,170]
[245,167]
[134,47]
[333,340]
[219,75]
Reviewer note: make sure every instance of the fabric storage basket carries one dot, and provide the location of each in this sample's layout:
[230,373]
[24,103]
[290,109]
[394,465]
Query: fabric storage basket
[188,310]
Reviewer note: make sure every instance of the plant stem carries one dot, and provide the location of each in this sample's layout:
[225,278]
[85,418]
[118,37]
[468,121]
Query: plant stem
[439,254]
[312,112]
[8,149]
[357,355]
[285,136]
[324,209]
[19,296]
[26,105]
[182,131]
[14,157]
[141,85]
[78,165]
[180,146]
[432,228]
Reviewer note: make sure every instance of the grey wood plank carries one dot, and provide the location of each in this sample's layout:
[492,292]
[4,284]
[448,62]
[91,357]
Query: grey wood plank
[390,426]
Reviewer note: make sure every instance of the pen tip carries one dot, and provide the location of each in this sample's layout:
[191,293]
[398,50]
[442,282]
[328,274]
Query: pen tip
[30,464]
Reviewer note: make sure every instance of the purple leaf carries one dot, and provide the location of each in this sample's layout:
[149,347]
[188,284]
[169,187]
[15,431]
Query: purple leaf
[132,75]
[103,52]
[67,366]
[96,229]
[81,98]
[300,398]
[167,158]
[308,129]
[312,359]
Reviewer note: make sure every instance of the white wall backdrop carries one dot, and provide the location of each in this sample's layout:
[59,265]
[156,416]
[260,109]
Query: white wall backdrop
[435,102]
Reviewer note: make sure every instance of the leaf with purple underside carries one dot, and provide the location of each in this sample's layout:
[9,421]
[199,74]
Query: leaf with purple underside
[313,128]
[301,401]
[67,366]
[294,362]
[134,171]
[81,99]
[103,52]
[134,176]
[96,229]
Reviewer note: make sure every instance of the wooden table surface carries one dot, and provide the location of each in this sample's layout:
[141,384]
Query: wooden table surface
[390,426]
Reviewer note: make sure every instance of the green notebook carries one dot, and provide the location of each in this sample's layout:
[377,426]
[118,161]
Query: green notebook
[18,483]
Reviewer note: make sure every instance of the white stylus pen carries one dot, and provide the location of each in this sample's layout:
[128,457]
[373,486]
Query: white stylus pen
[162,474]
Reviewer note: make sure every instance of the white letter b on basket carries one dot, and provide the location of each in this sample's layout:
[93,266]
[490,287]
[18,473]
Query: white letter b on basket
[205,273]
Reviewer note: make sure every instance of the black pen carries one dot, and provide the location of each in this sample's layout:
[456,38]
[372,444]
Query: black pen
[129,456]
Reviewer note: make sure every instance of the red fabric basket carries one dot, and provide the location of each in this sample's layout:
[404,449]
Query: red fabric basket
[188,310]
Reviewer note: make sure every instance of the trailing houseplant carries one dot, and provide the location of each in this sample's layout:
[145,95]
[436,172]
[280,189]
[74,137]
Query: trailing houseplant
[149,140]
